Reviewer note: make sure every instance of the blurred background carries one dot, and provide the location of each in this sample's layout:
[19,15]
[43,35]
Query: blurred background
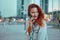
[13,17]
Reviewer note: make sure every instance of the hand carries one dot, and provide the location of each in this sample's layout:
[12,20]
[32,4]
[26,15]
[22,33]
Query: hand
[31,21]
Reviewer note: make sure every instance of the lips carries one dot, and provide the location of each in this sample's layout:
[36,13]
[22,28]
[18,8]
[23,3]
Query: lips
[35,16]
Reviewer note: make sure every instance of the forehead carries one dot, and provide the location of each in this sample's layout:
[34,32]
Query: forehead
[34,9]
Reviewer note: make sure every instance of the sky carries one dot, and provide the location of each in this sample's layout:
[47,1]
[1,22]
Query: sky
[53,6]
[8,8]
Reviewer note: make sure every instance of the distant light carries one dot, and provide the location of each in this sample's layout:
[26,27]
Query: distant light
[0,20]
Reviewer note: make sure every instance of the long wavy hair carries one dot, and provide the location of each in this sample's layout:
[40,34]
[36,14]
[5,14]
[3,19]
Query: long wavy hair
[40,18]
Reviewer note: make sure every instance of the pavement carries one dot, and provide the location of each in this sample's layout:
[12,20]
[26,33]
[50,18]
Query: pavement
[17,32]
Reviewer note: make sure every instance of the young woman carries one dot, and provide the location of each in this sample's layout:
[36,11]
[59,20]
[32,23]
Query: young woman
[37,29]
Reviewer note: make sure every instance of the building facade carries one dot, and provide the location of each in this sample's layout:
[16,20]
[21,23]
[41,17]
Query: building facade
[22,6]
[44,5]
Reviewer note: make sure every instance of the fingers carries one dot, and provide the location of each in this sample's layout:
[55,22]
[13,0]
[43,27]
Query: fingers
[31,21]
[31,18]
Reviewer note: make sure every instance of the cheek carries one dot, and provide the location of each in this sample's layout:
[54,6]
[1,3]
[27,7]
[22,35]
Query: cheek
[32,14]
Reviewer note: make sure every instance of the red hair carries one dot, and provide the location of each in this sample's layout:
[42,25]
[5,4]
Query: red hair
[40,18]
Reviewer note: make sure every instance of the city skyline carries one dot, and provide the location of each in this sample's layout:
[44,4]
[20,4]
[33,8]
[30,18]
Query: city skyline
[9,7]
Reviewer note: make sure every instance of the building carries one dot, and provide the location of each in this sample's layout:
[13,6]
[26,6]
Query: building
[0,14]
[44,5]
[22,6]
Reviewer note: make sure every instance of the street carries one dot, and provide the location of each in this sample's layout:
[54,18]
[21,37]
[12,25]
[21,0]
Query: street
[17,32]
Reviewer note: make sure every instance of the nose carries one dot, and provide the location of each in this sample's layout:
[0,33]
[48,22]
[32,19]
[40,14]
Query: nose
[34,14]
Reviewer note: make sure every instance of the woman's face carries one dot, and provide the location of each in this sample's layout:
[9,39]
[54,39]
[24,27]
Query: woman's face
[34,12]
